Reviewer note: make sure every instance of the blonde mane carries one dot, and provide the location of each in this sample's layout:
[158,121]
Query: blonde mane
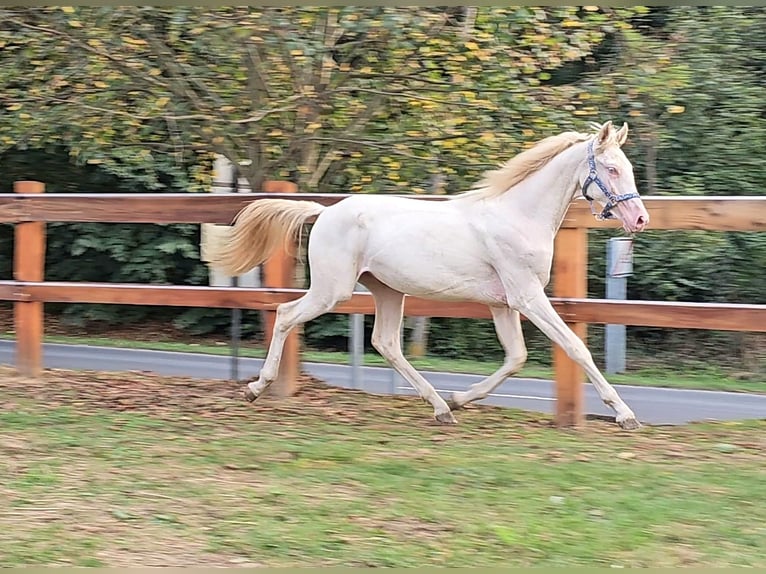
[518,168]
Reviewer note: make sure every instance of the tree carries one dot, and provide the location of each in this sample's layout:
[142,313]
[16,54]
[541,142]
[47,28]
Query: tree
[331,97]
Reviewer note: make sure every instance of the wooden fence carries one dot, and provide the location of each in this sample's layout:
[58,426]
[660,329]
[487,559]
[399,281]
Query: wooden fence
[29,209]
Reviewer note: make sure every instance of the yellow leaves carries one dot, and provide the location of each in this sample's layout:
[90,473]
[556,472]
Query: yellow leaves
[133,41]
[74,23]
[676,109]
[24,116]
[455,120]
[487,136]
[155,72]
[483,55]
[590,8]
[571,24]
[296,53]
[634,113]
[274,133]
[162,101]
[226,109]
[473,46]
[218,140]
[100,84]
[312,127]
[13,107]
[67,9]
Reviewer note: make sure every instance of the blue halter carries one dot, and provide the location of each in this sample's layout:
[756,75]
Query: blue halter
[593,177]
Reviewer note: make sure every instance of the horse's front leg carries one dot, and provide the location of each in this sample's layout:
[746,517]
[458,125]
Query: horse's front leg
[538,309]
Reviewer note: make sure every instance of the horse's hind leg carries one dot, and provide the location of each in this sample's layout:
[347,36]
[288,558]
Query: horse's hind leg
[508,329]
[329,286]
[386,338]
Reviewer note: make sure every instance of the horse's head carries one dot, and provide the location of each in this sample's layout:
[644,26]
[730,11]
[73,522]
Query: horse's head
[607,179]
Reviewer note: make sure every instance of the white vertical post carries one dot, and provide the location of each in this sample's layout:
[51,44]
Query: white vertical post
[224,173]
[226,180]
[619,258]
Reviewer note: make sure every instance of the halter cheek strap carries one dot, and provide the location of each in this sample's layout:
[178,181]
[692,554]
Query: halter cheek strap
[593,177]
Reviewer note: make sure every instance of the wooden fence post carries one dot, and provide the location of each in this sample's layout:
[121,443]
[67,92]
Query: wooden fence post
[570,279]
[29,265]
[279,272]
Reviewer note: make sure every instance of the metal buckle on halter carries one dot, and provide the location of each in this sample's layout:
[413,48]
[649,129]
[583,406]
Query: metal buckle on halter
[614,199]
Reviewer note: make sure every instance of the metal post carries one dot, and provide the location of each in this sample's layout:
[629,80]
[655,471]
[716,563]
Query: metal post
[227,180]
[236,335]
[236,314]
[619,257]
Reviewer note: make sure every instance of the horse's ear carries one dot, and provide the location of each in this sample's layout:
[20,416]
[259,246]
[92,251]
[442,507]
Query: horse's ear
[606,131]
[622,134]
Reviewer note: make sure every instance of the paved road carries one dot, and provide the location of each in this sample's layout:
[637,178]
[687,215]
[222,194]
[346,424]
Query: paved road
[651,405]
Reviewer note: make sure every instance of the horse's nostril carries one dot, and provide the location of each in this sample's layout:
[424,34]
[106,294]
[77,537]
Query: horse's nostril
[641,220]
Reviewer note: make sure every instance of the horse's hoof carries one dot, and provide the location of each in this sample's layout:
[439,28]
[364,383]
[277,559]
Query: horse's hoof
[629,423]
[453,403]
[249,395]
[446,418]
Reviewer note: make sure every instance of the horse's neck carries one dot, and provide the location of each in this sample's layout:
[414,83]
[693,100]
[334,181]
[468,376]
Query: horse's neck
[544,197]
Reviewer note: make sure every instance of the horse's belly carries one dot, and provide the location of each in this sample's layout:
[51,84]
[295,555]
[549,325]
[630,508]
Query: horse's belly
[446,271]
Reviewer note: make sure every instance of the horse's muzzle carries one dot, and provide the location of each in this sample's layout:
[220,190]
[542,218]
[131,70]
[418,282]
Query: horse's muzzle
[632,214]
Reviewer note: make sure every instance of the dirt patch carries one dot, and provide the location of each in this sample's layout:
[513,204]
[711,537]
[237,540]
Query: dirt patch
[173,397]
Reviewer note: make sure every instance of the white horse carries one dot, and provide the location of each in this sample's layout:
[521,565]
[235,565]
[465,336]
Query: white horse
[492,244]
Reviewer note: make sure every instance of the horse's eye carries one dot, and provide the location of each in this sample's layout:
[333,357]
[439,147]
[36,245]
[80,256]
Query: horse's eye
[612,170]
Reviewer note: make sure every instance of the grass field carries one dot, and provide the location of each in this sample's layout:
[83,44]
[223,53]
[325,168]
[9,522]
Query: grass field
[137,470]
[696,376]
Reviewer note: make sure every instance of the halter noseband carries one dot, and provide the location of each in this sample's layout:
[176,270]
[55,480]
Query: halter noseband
[593,177]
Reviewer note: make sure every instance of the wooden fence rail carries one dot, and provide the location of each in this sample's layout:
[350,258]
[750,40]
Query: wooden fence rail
[29,209]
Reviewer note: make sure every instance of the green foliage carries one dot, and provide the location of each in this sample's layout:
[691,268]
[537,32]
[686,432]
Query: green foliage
[123,253]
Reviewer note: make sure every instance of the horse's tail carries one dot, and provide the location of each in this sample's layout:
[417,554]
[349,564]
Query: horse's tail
[258,230]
